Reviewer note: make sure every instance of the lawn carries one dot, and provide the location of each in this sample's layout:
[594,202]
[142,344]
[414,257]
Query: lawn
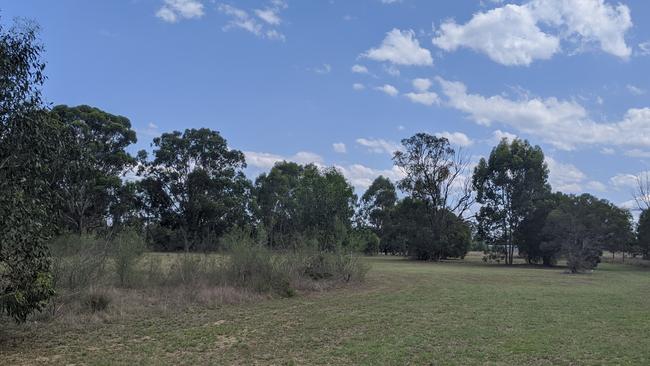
[405,313]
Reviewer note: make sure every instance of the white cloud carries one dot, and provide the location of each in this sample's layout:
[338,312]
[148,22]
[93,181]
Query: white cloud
[421,84]
[388,89]
[391,1]
[564,124]
[499,135]
[174,10]
[379,146]
[358,86]
[339,147]
[634,90]
[151,130]
[362,176]
[607,151]
[269,15]
[644,48]
[564,177]
[267,160]
[624,181]
[426,98]
[392,70]
[241,19]
[508,35]
[456,138]
[511,35]
[400,48]
[359,69]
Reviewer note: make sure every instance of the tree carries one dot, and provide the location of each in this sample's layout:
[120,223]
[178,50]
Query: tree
[28,152]
[507,186]
[409,231]
[194,188]
[298,204]
[376,203]
[530,237]
[581,226]
[643,234]
[95,157]
[435,178]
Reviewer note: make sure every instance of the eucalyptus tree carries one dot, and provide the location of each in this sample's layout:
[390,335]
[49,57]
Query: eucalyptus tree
[194,188]
[436,175]
[581,226]
[507,185]
[28,155]
[95,157]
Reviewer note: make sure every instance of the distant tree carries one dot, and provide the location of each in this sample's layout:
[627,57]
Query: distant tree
[435,177]
[507,186]
[194,188]
[376,204]
[581,226]
[95,157]
[530,234]
[643,234]
[409,231]
[29,146]
[298,203]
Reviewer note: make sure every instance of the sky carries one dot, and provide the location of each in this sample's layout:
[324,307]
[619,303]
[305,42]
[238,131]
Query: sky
[341,82]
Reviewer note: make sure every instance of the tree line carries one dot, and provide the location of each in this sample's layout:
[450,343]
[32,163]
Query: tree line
[62,171]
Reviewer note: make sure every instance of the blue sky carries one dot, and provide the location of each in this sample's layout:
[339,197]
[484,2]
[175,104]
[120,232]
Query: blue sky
[341,82]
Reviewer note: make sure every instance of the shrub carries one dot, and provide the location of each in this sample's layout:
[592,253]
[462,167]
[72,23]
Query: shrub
[255,267]
[334,266]
[77,261]
[127,248]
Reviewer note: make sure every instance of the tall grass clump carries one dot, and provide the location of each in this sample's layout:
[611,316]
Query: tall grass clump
[257,268]
[78,261]
[127,248]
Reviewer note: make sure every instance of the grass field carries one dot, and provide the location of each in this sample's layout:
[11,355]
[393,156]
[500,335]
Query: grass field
[405,313]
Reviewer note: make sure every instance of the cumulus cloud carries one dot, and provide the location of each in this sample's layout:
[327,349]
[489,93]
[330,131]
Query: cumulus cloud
[379,146]
[564,177]
[264,160]
[564,124]
[512,34]
[339,147]
[421,84]
[388,89]
[498,135]
[400,48]
[241,19]
[624,181]
[358,86]
[456,138]
[174,10]
[361,176]
[426,98]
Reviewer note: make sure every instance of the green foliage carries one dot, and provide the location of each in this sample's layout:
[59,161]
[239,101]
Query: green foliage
[28,150]
[410,231]
[507,186]
[643,234]
[300,204]
[127,248]
[581,226]
[194,187]
[429,222]
[95,157]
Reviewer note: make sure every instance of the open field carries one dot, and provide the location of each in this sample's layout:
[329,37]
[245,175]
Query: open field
[406,312]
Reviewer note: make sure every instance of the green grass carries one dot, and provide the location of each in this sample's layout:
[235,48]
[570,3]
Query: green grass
[406,313]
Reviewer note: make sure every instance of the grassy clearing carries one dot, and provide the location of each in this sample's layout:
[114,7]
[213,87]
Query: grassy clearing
[406,312]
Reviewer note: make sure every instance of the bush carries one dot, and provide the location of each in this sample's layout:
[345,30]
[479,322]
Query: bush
[126,251]
[257,268]
[334,266]
[77,261]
